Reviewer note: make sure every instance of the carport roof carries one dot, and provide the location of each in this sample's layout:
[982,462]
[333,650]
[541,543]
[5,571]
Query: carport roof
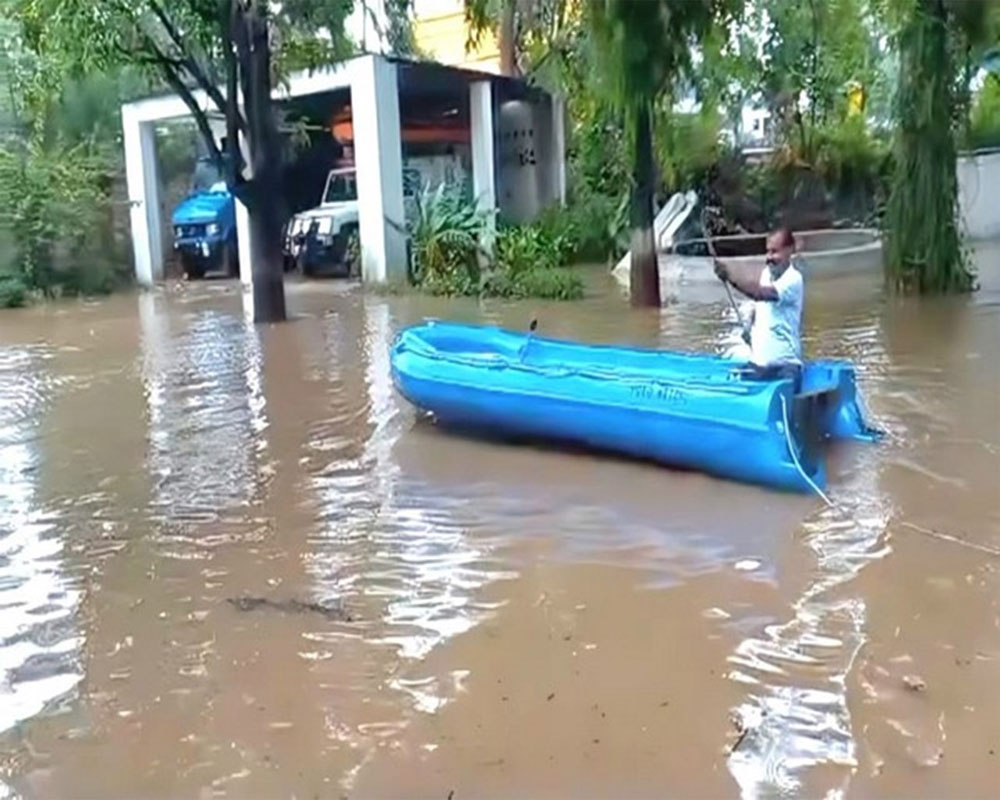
[414,76]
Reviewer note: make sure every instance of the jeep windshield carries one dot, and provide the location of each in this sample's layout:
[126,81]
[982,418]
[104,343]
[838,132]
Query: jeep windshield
[341,188]
[207,178]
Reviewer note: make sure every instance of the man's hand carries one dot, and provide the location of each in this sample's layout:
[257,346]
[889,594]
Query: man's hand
[721,270]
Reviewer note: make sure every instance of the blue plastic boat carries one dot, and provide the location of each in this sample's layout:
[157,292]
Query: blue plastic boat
[691,411]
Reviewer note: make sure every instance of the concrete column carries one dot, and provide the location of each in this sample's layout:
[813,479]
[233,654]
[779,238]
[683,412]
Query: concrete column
[483,153]
[244,243]
[378,157]
[559,148]
[482,132]
[142,181]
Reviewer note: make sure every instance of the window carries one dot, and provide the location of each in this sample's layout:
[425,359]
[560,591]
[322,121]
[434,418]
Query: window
[206,177]
[341,187]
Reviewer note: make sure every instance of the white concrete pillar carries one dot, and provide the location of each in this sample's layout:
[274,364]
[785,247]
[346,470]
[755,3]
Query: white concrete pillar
[243,243]
[142,181]
[559,148]
[378,157]
[482,133]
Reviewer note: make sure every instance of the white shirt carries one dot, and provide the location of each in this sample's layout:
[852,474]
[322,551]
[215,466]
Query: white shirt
[775,335]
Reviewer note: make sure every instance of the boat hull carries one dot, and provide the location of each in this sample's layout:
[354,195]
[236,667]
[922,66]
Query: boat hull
[688,411]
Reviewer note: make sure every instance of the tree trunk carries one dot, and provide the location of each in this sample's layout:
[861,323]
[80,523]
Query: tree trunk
[923,251]
[263,192]
[229,18]
[644,275]
[507,39]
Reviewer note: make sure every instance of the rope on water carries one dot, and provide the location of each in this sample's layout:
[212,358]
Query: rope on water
[933,534]
[795,457]
[951,539]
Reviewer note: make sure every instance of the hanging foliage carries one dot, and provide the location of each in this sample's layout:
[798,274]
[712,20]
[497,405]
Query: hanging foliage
[924,251]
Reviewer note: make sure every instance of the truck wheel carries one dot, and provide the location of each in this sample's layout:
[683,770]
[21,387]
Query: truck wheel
[194,267]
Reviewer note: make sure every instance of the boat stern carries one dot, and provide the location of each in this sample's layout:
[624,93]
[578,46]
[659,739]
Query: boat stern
[843,417]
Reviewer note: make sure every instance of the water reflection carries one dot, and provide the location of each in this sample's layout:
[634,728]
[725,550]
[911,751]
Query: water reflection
[668,521]
[411,563]
[39,640]
[206,416]
[627,609]
[795,715]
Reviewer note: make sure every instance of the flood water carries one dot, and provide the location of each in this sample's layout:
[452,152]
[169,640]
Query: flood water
[234,563]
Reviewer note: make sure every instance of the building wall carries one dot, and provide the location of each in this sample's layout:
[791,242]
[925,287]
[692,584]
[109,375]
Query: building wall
[978,176]
[440,32]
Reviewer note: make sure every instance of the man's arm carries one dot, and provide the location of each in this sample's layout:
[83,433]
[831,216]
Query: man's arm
[751,287]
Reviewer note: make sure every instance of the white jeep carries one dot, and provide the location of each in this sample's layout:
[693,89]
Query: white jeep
[319,240]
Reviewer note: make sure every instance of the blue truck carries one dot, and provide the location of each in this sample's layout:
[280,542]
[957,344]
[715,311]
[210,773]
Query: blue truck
[204,225]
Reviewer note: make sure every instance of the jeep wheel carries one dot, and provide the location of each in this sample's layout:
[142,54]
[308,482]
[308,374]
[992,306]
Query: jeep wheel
[194,267]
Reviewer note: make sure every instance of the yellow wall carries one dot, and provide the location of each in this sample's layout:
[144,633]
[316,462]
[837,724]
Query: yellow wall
[440,32]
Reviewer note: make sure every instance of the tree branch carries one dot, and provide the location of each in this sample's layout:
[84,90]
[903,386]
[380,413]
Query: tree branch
[191,64]
[170,69]
[240,28]
[157,59]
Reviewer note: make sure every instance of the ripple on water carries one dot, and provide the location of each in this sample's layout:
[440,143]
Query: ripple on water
[206,414]
[796,715]
[415,562]
[39,639]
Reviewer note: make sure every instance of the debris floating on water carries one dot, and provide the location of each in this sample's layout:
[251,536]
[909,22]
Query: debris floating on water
[293,606]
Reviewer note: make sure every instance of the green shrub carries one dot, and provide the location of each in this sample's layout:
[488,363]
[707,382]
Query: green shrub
[87,276]
[552,283]
[445,235]
[53,202]
[601,226]
[984,125]
[13,291]
[598,154]
[557,283]
[687,146]
[541,245]
[447,258]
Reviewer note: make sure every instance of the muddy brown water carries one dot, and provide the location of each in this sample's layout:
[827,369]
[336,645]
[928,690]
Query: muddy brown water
[233,563]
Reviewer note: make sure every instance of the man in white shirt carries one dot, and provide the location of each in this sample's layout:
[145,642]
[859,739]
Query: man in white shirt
[775,333]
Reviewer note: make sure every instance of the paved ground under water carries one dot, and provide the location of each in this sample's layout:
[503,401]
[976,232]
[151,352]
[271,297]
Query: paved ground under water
[233,563]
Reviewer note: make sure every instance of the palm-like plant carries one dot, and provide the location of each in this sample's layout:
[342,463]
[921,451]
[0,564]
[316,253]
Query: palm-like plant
[446,234]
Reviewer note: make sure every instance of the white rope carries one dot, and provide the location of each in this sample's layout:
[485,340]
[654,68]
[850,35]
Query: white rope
[795,458]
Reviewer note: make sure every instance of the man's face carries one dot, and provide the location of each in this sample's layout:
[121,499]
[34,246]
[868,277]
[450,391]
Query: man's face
[778,253]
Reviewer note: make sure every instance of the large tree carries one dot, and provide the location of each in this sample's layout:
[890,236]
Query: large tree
[924,251]
[642,49]
[812,50]
[517,25]
[232,51]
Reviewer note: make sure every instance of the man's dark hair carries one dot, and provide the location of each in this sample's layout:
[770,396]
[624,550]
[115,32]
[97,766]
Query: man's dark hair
[785,236]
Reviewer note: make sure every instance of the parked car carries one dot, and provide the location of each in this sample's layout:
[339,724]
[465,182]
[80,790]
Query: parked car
[316,240]
[204,225]
[319,241]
